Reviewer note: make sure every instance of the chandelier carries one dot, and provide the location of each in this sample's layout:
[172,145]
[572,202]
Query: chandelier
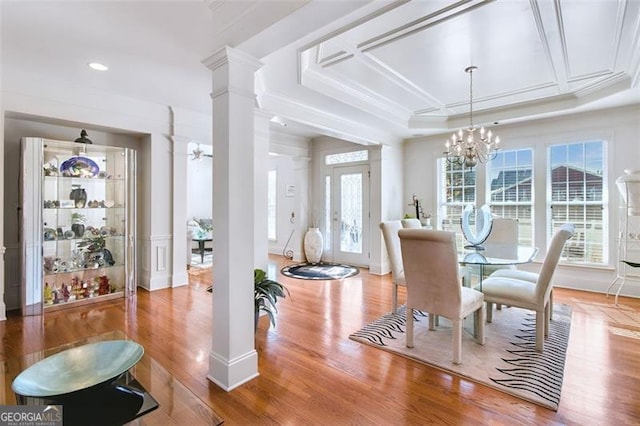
[465,147]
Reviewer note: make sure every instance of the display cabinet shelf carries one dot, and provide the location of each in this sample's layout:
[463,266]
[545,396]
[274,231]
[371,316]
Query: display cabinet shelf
[78,222]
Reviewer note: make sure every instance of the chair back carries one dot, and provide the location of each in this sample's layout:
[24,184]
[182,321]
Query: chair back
[430,264]
[411,223]
[503,231]
[392,242]
[551,259]
[503,238]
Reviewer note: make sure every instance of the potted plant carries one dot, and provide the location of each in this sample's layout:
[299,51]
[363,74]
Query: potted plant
[95,252]
[266,293]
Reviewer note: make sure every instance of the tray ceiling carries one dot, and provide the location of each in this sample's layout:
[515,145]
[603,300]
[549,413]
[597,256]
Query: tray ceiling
[405,63]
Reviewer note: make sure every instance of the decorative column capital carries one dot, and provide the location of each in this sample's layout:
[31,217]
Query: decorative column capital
[227,54]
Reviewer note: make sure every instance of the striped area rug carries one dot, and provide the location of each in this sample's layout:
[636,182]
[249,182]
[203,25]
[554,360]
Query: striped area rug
[508,361]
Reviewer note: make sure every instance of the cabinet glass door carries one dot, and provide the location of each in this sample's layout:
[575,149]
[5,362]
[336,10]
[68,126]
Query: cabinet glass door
[78,220]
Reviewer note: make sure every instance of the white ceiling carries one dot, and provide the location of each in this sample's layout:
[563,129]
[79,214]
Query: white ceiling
[367,71]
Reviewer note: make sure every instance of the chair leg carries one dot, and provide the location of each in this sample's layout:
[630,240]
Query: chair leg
[547,315]
[480,316]
[540,322]
[433,320]
[394,297]
[409,327]
[550,315]
[457,341]
[489,312]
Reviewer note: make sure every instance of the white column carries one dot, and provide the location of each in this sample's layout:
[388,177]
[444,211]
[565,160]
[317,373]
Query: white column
[233,359]
[3,308]
[180,246]
[260,169]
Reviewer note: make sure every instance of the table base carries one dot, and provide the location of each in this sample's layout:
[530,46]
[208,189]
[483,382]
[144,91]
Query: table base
[115,403]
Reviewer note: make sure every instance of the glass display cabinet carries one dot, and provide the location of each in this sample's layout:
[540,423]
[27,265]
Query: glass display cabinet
[628,238]
[78,224]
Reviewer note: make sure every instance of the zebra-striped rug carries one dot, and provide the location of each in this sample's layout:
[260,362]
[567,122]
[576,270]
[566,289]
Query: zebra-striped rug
[508,361]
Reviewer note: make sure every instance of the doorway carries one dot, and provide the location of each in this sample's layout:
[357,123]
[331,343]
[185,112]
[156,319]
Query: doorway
[349,214]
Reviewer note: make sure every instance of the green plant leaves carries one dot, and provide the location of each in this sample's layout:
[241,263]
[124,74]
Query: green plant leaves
[266,294]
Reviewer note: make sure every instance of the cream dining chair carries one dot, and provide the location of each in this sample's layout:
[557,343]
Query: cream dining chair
[504,231]
[433,285]
[392,243]
[411,223]
[528,290]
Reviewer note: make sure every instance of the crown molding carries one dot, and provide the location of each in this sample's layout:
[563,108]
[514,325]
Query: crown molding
[356,95]
[228,54]
[326,123]
[424,22]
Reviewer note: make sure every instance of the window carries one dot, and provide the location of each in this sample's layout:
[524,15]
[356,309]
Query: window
[510,181]
[271,204]
[458,188]
[576,178]
[346,157]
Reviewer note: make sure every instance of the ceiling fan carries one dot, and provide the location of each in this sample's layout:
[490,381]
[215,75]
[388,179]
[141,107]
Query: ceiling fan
[199,154]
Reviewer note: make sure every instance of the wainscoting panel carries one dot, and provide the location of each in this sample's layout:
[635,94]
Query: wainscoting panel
[155,252]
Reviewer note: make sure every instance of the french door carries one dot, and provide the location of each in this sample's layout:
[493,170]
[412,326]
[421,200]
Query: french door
[349,214]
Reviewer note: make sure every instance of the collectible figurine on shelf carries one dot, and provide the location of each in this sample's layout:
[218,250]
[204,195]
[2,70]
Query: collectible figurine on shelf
[65,292]
[48,294]
[56,294]
[76,288]
[104,287]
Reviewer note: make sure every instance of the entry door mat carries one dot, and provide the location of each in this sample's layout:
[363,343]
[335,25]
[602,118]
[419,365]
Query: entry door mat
[319,271]
[507,362]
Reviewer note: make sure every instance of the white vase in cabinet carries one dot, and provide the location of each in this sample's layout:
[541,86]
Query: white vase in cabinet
[313,244]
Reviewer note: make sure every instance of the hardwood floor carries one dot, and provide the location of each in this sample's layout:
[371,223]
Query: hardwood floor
[311,373]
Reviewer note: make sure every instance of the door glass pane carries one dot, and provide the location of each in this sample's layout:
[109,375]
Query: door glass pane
[327,213]
[351,213]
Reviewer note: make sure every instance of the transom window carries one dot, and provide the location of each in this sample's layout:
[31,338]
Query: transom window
[346,157]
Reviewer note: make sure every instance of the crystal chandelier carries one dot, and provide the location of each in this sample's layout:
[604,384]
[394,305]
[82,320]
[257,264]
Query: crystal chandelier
[463,148]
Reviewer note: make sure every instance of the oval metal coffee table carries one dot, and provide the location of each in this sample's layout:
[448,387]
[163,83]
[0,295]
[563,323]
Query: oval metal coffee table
[90,382]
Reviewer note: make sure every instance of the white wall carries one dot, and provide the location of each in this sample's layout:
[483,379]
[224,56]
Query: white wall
[620,127]
[389,205]
[34,95]
[199,184]
[290,158]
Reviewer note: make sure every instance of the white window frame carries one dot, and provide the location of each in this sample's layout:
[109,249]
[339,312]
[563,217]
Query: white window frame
[524,238]
[445,206]
[584,233]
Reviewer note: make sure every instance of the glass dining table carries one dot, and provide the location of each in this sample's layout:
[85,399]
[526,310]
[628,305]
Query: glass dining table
[496,255]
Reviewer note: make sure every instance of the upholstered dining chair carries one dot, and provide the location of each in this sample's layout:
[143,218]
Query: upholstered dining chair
[392,243]
[411,223]
[519,289]
[433,285]
[504,232]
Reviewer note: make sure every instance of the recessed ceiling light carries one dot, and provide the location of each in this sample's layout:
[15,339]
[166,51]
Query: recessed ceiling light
[98,66]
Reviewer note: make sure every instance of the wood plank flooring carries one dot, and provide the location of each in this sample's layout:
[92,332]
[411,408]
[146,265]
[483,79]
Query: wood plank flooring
[311,373]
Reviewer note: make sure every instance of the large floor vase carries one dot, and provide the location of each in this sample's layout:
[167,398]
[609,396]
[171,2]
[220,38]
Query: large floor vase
[313,244]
